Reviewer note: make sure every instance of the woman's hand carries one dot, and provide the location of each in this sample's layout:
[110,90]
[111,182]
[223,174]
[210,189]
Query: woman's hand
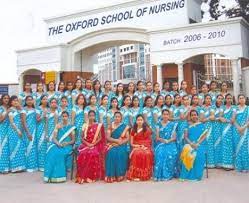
[19,132]
[30,137]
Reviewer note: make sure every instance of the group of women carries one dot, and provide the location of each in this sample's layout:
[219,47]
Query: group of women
[142,133]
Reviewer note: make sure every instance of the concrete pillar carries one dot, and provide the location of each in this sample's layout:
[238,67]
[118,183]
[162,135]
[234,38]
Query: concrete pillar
[180,73]
[236,77]
[159,75]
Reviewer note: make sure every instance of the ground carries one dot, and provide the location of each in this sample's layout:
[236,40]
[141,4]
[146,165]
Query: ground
[221,186]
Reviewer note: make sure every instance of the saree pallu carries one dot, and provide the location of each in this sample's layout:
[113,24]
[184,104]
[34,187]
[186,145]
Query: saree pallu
[193,160]
[141,160]
[55,169]
[90,162]
[116,161]
[166,155]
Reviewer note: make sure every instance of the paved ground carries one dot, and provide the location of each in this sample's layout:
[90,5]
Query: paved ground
[223,187]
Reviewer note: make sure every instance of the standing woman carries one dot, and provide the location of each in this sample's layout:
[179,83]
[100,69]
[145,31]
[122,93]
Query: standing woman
[175,89]
[61,92]
[27,91]
[131,89]
[125,110]
[90,162]
[77,90]
[183,88]
[140,93]
[59,151]
[92,106]
[42,131]
[38,94]
[97,91]
[53,117]
[217,126]
[148,89]
[51,87]
[120,94]
[156,91]
[166,89]
[165,151]
[212,91]
[147,113]
[108,91]
[241,136]
[64,107]
[193,153]
[204,92]
[157,110]
[175,109]
[87,91]
[78,117]
[223,89]
[206,117]
[168,102]
[4,141]
[113,108]
[195,101]
[17,145]
[68,94]
[103,111]
[117,156]
[224,142]
[134,109]
[141,156]
[29,123]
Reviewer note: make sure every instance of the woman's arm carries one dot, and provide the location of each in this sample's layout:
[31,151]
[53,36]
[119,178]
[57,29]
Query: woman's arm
[73,117]
[19,132]
[24,124]
[158,137]
[72,141]
[109,138]
[54,138]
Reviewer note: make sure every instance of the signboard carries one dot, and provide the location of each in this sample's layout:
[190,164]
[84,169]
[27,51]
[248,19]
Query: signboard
[50,76]
[4,89]
[147,15]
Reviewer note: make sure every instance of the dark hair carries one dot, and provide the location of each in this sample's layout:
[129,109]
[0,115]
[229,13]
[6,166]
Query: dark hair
[207,95]
[145,100]
[76,82]
[91,111]
[94,84]
[124,98]
[65,112]
[145,126]
[118,112]
[165,110]
[117,93]
[157,98]
[166,98]
[241,95]
[103,96]
[90,97]
[219,95]
[133,85]
[1,100]
[49,84]
[60,84]
[174,82]
[26,99]
[176,95]
[227,95]
[193,110]
[106,83]
[182,83]
[12,98]
[195,95]
[44,95]
[53,99]
[112,99]
[138,83]
[133,98]
[77,99]
[88,79]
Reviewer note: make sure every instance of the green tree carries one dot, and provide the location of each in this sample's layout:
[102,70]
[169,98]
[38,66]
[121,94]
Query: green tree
[214,9]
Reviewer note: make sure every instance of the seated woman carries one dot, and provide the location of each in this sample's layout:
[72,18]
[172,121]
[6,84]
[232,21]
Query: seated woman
[117,156]
[141,156]
[58,152]
[165,150]
[90,162]
[193,153]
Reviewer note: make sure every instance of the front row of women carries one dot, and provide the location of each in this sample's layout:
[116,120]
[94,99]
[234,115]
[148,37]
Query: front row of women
[118,158]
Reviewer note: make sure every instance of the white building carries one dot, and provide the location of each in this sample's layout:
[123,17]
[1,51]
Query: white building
[173,29]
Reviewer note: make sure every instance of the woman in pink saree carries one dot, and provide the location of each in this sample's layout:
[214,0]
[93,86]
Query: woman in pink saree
[90,162]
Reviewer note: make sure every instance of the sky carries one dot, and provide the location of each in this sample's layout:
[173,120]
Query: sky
[22,26]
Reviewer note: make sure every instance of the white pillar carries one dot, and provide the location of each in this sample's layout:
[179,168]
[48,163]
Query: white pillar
[180,73]
[236,77]
[159,75]
[21,82]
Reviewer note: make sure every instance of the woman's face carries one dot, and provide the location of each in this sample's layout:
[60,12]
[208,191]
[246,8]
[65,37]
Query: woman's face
[193,90]
[91,117]
[185,101]
[208,100]
[195,100]
[6,100]
[78,84]
[127,101]
[219,100]
[224,87]
[184,85]
[177,99]
[62,86]
[105,101]
[194,116]
[117,118]
[131,87]
[53,103]
[70,86]
[175,86]
[120,88]
[51,86]
[242,100]
[168,100]
[44,101]
[27,87]
[149,87]
[40,87]
[149,102]
[165,115]
[93,100]
[157,88]
[114,103]
[108,86]
[81,100]
[88,84]
[30,101]
[140,86]
[64,102]
[15,103]
[136,102]
[167,85]
[204,88]
[97,86]
[213,86]
[140,121]
[229,99]
[65,117]
[160,101]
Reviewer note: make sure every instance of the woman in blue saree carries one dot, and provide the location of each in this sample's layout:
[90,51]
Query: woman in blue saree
[4,141]
[193,153]
[42,131]
[126,111]
[53,117]
[165,153]
[59,151]
[134,109]
[140,93]
[27,91]
[29,125]
[241,136]
[68,94]
[117,156]
[17,145]
[103,111]
[38,94]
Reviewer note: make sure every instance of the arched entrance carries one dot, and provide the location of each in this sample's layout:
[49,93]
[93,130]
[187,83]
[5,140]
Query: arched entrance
[32,76]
